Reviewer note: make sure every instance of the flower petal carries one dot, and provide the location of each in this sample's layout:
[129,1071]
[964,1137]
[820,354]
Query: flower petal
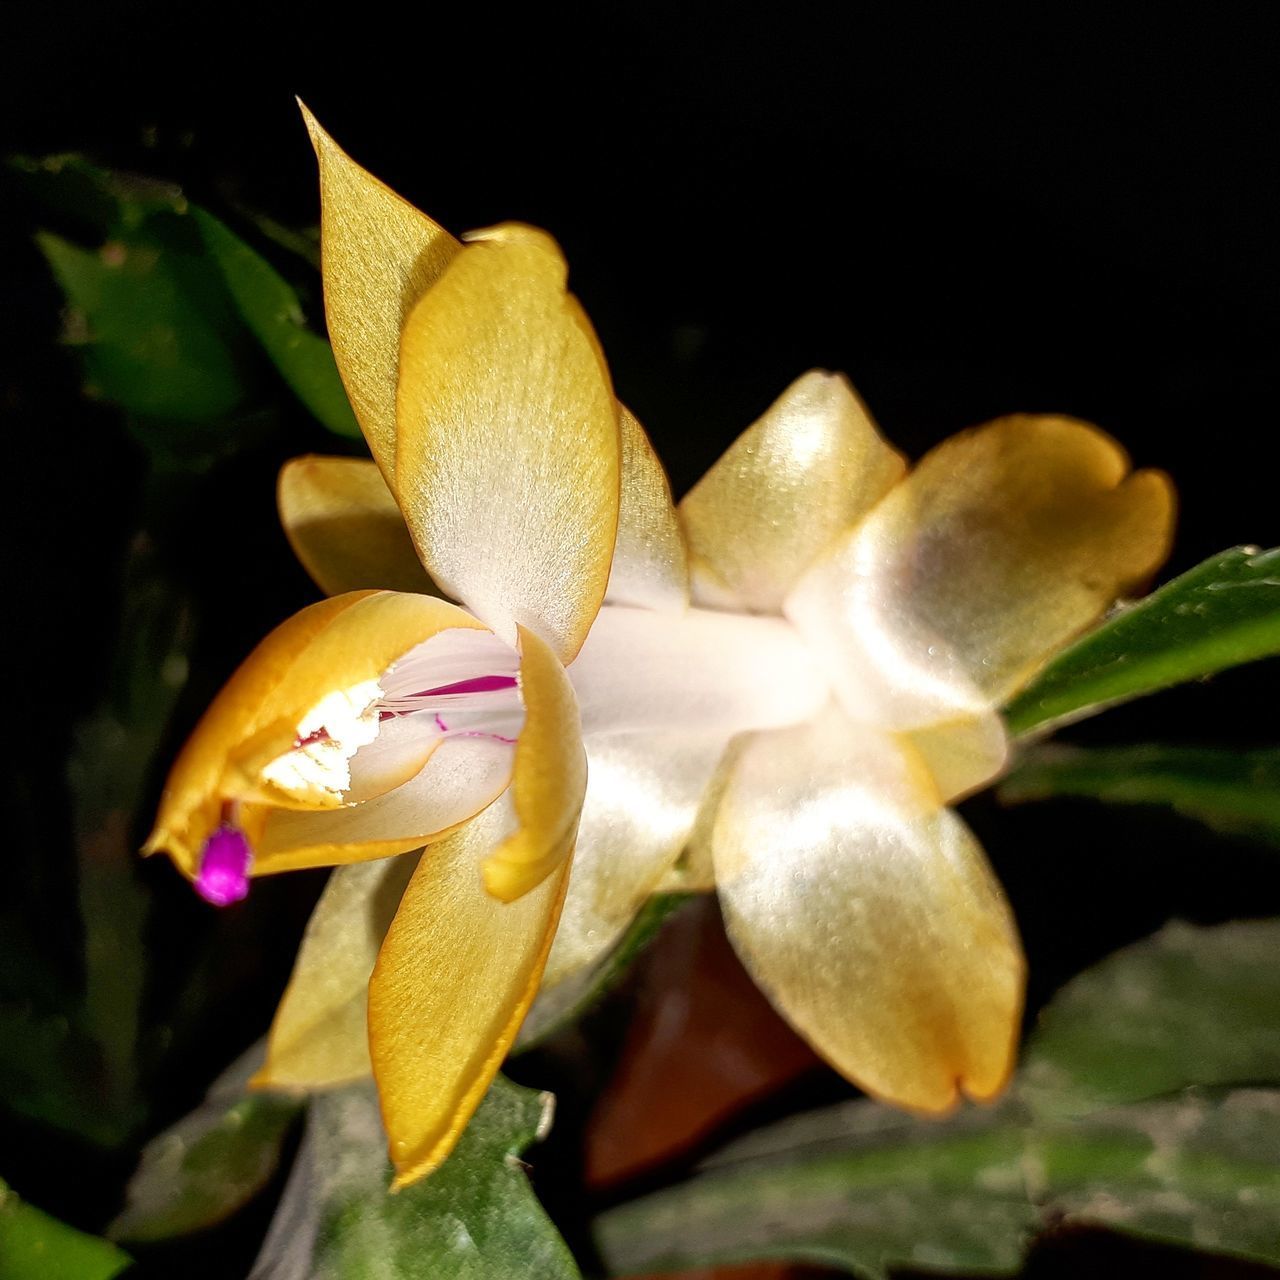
[345,528]
[508,440]
[461,777]
[379,255]
[320,1035]
[549,781]
[1004,543]
[643,796]
[454,979]
[333,645]
[812,466]
[963,755]
[650,565]
[698,671]
[868,914]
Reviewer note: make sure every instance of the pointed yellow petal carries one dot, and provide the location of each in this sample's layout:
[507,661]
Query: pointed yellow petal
[320,1035]
[806,471]
[643,796]
[550,777]
[345,528]
[334,645]
[508,444]
[650,567]
[454,979]
[1004,543]
[379,255]
[868,914]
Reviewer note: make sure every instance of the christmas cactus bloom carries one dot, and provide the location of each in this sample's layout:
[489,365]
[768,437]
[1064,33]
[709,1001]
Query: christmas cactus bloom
[778,689]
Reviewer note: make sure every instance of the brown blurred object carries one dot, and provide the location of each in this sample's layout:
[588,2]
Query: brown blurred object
[751,1271]
[703,1044]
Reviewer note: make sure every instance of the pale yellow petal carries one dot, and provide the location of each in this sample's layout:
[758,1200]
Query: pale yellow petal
[806,471]
[963,755]
[379,255]
[333,645]
[345,528]
[550,777]
[868,913]
[650,566]
[643,796]
[508,444]
[454,979]
[1003,544]
[320,1035]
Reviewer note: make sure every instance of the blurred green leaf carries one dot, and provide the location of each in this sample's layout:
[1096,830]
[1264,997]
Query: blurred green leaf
[148,345]
[1232,791]
[271,309]
[1224,612]
[476,1218]
[1187,1006]
[34,1246]
[1122,1117]
[565,1004]
[856,1186]
[213,1161]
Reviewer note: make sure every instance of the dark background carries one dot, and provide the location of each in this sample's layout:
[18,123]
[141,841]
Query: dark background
[971,211]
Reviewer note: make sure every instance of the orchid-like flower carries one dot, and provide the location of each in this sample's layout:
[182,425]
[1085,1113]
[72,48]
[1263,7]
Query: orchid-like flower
[792,736]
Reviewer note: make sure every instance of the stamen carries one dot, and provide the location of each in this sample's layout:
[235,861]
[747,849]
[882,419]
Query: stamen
[477,684]
[223,877]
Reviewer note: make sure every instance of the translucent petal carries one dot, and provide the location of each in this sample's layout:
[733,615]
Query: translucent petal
[460,778]
[1004,543]
[320,1035]
[331,646]
[643,796]
[549,781]
[650,567]
[700,670]
[868,914]
[453,982]
[963,755]
[508,446]
[345,528]
[379,255]
[806,471]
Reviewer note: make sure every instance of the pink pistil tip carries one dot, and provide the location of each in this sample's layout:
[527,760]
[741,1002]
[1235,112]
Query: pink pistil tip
[224,867]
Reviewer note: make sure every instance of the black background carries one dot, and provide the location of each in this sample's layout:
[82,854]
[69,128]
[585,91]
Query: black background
[971,211]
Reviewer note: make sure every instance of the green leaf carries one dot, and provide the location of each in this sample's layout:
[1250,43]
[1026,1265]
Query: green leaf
[202,1169]
[475,1218]
[1237,792]
[149,341]
[856,1186]
[1224,612]
[271,309]
[34,1246]
[1124,1116]
[565,1004]
[1198,1170]
[1188,1006]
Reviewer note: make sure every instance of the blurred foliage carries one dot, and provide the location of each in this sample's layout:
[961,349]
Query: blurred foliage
[34,1246]
[1235,792]
[1149,1102]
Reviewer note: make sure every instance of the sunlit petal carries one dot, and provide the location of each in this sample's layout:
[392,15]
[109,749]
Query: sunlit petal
[868,914]
[508,444]
[379,256]
[1004,543]
[345,528]
[334,645]
[550,777]
[643,796]
[453,982]
[320,1035]
[650,566]
[801,475]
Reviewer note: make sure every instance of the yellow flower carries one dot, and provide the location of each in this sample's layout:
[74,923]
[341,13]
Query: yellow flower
[794,736]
